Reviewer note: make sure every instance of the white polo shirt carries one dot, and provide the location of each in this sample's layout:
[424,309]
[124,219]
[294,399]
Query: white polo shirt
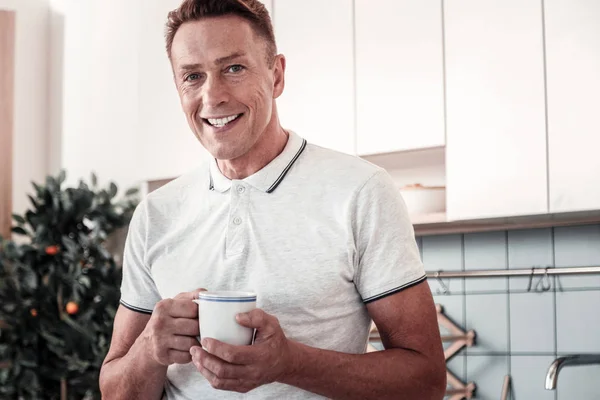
[316,234]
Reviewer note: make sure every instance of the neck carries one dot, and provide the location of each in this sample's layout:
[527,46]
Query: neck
[270,145]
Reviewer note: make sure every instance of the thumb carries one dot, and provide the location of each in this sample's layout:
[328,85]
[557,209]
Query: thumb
[189,295]
[257,319]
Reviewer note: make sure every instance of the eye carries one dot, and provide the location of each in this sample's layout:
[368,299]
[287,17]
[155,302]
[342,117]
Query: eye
[235,68]
[192,77]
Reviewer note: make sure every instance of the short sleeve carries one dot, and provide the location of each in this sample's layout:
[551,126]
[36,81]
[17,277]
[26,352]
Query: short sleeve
[138,290]
[387,259]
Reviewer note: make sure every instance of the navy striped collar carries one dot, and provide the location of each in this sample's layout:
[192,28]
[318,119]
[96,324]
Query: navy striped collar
[268,178]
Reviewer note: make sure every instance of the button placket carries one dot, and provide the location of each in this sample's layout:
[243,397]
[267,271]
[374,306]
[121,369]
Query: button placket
[236,228]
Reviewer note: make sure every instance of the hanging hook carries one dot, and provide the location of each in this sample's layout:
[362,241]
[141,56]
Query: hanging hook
[544,284]
[445,289]
[530,279]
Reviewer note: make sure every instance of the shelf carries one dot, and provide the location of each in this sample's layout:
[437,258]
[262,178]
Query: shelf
[408,159]
[437,224]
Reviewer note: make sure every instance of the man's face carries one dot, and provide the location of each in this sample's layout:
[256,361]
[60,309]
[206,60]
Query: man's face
[226,86]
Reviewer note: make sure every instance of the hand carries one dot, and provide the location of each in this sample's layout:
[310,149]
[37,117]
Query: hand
[243,368]
[172,329]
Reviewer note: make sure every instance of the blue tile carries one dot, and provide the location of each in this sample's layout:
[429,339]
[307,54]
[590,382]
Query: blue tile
[458,366]
[578,246]
[485,251]
[487,315]
[528,249]
[419,241]
[443,252]
[532,322]
[453,309]
[580,383]
[487,372]
[528,374]
[578,322]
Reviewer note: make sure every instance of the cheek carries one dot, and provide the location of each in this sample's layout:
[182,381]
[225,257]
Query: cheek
[189,102]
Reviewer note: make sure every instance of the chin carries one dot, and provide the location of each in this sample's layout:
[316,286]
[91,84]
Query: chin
[225,152]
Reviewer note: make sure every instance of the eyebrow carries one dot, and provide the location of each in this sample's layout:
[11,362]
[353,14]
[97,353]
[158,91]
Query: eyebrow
[219,61]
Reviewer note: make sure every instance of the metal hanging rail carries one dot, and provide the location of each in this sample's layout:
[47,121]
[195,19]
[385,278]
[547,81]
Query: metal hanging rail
[515,272]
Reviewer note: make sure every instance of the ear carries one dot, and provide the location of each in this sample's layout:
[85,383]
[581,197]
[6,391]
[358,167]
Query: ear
[279,75]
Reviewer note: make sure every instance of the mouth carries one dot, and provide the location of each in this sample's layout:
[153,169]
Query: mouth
[222,122]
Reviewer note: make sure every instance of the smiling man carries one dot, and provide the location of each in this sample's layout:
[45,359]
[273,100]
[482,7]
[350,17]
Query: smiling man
[322,237]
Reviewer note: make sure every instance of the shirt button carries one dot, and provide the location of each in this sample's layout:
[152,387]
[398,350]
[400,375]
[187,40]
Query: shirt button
[241,189]
[237,220]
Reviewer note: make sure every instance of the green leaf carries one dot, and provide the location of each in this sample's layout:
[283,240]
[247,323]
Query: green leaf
[39,189]
[18,230]
[85,281]
[33,202]
[132,191]
[18,218]
[113,190]
[62,176]
[94,180]
[51,184]
[73,324]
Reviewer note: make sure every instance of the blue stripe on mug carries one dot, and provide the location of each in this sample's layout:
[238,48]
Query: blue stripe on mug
[225,300]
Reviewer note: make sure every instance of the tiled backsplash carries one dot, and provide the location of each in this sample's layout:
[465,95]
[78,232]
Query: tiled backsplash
[519,332]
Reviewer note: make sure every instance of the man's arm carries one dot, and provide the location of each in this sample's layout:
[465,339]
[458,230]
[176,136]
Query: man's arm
[411,367]
[126,358]
[143,346]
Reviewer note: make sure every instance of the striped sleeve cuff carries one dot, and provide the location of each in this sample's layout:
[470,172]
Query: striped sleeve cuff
[395,290]
[134,308]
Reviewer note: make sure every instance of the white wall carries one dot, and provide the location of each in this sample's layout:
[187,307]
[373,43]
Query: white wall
[120,115]
[31,96]
[99,90]
[168,147]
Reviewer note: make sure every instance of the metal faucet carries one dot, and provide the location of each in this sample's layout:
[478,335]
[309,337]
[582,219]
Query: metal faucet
[560,362]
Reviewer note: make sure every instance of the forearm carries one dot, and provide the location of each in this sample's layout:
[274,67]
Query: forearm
[382,375]
[133,376]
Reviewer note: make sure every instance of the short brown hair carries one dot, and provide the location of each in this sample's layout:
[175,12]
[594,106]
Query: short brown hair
[252,11]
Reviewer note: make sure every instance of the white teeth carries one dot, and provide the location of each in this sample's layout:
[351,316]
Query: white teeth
[221,122]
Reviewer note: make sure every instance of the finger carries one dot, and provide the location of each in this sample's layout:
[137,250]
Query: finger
[179,357]
[189,295]
[258,319]
[182,343]
[180,308]
[185,326]
[220,368]
[241,355]
[234,385]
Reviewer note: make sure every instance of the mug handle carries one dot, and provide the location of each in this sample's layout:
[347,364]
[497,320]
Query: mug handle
[198,302]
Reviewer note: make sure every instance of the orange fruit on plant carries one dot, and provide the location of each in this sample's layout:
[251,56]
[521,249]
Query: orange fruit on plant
[52,250]
[72,308]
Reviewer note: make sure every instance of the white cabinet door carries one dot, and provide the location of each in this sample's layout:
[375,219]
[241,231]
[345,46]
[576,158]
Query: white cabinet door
[496,133]
[168,146]
[316,37]
[399,75]
[573,81]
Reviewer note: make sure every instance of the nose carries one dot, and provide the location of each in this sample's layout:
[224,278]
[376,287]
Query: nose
[214,92]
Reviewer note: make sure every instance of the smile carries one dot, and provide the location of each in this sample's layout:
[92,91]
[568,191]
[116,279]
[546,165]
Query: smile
[221,122]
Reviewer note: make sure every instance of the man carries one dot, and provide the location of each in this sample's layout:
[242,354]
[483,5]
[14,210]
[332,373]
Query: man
[323,238]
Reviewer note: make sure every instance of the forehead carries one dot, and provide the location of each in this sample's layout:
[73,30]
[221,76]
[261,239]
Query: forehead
[211,38]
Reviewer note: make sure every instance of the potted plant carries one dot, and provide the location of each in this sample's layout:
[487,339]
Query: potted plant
[59,290]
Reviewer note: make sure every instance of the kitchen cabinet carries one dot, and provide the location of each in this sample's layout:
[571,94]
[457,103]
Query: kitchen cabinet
[399,75]
[496,164]
[573,84]
[168,146]
[316,37]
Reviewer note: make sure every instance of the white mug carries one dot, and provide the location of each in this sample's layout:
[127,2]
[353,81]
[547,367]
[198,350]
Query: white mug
[216,316]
